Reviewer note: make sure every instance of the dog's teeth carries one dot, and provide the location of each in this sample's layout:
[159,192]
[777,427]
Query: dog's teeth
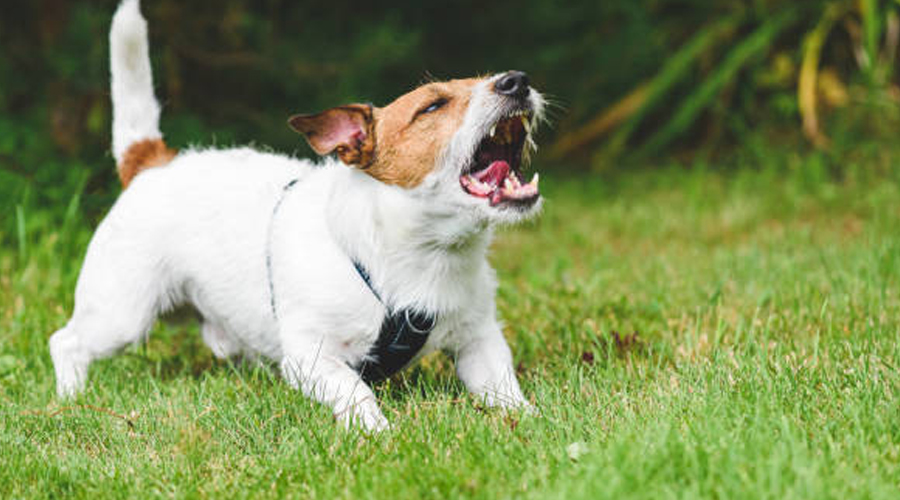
[493,130]
[526,123]
[535,180]
[507,184]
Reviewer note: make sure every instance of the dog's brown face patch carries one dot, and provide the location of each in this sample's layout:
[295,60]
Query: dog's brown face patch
[414,129]
[143,155]
[398,144]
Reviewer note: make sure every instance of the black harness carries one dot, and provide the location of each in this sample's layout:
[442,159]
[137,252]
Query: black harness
[403,333]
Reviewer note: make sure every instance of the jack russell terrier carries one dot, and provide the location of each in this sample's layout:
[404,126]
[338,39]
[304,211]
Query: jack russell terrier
[343,276]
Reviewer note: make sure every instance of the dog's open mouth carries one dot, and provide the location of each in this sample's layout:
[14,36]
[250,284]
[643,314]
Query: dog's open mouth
[496,169]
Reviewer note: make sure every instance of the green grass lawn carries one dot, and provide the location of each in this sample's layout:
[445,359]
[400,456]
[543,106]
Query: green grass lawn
[683,333]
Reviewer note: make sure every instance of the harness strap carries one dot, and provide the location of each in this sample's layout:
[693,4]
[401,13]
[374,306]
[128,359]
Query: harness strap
[287,187]
[403,333]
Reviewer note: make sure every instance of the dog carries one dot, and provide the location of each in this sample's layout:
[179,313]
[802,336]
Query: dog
[343,271]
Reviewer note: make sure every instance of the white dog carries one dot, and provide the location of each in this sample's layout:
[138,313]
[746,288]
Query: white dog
[343,275]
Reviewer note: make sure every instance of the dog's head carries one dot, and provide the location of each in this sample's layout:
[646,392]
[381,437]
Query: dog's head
[460,142]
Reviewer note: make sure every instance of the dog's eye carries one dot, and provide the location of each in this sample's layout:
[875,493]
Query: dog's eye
[434,106]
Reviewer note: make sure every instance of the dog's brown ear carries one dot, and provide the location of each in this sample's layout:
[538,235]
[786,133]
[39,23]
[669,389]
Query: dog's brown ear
[348,130]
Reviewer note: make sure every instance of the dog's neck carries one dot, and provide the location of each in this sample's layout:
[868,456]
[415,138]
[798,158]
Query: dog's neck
[418,252]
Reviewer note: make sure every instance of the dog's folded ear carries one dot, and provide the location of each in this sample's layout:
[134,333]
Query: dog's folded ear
[348,130]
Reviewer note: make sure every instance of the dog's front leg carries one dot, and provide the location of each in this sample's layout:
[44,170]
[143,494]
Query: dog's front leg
[484,364]
[330,381]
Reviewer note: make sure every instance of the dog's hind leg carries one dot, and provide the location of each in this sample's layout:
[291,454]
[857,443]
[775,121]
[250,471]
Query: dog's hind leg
[91,334]
[117,299]
[219,342]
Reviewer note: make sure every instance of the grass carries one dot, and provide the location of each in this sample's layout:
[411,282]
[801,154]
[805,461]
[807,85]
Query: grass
[684,333]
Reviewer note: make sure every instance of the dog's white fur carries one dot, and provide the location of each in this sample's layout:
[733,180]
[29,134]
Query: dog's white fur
[136,112]
[200,230]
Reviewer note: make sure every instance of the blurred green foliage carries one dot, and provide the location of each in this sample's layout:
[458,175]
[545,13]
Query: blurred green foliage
[718,76]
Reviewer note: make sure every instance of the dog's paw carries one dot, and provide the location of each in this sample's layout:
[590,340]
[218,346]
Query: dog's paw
[70,368]
[530,410]
[509,400]
[522,407]
[365,417]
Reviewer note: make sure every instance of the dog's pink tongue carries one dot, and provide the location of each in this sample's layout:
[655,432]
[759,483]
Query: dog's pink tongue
[494,174]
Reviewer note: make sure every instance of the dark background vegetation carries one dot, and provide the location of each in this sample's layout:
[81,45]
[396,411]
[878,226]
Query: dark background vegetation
[649,82]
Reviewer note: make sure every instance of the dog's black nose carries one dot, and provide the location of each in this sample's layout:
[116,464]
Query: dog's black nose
[513,84]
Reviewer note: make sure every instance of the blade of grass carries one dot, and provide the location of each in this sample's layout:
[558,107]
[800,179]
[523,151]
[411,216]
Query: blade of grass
[891,40]
[72,210]
[21,235]
[809,72]
[871,27]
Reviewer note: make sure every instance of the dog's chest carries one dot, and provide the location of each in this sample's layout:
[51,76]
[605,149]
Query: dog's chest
[317,249]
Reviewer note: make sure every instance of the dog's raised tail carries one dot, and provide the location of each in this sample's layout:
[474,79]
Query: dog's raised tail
[137,140]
